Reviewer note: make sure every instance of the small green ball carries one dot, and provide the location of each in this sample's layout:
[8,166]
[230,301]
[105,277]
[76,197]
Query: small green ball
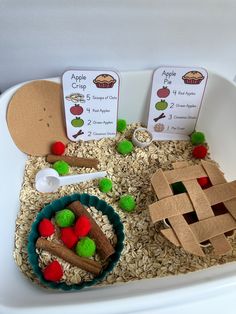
[197,138]
[65,218]
[127,203]
[86,247]
[61,167]
[125,147]
[178,188]
[105,185]
[121,125]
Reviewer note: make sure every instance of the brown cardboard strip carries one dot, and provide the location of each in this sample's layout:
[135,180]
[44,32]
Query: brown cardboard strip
[170,206]
[185,174]
[160,184]
[212,227]
[203,211]
[231,207]
[221,244]
[215,175]
[171,236]
[185,235]
[221,192]
[200,202]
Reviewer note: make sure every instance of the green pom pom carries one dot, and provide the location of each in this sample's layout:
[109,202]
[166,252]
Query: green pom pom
[105,185]
[178,188]
[127,203]
[65,218]
[197,138]
[86,247]
[125,147]
[61,167]
[121,125]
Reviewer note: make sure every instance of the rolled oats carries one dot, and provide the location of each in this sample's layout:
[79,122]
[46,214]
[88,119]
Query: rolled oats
[146,252]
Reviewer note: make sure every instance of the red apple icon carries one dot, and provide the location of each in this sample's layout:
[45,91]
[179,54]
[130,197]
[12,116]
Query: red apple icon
[76,110]
[163,92]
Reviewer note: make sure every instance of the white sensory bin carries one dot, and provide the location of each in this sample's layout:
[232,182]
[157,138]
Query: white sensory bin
[19,295]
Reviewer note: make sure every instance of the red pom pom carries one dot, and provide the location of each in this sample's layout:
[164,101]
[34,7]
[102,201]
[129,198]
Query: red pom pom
[46,228]
[68,237]
[204,182]
[82,226]
[58,148]
[53,271]
[199,152]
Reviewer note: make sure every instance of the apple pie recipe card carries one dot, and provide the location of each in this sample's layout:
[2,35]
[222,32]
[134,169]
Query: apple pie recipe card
[91,103]
[176,98]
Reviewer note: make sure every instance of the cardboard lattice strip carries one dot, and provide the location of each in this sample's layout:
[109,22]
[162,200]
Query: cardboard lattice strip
[209,225]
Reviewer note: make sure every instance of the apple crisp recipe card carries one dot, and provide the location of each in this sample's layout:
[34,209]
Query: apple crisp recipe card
[91,103]
[176,98]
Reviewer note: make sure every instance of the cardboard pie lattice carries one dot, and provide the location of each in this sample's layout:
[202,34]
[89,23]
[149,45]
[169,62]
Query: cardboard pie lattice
[173,207]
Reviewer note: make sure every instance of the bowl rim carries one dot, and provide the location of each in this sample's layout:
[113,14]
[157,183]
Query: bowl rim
[47,212]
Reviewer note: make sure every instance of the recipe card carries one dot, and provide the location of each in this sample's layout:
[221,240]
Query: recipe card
[91,103]
[176,98]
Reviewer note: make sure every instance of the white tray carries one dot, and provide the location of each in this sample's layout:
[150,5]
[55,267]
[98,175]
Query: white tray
[178,294]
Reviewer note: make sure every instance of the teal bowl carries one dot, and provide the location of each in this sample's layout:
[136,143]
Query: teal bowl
[49,211]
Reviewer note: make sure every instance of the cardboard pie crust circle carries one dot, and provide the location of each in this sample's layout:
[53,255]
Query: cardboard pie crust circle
[35,117]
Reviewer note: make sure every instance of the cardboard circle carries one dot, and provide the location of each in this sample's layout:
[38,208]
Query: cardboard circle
[35,117]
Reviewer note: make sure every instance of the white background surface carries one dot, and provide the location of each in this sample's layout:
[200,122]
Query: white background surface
[42,38]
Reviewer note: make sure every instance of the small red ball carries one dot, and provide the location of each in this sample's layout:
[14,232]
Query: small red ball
[46,228]
[82,226]
[69,237]
[199,152]
[58,148]
[53,271]
[204,182]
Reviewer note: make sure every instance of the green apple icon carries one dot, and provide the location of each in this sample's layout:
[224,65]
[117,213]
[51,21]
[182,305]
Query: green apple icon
[161,105]
[77,122]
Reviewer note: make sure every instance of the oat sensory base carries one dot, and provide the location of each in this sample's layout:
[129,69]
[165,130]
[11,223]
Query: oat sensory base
[147,253]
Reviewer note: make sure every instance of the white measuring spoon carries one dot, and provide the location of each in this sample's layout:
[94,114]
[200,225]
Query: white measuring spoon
[48,180]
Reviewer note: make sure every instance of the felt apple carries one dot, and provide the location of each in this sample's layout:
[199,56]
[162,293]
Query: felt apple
[161,105]
[76,110]
[53,271]
[46,228]
[163,92]
[77,122]
[82,226]
[68,237]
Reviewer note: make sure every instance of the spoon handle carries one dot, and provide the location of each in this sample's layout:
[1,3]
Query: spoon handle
[78,178]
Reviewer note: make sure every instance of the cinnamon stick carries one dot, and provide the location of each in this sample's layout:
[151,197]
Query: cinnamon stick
[104,246]
[74,161]
[69,256]
[80,132]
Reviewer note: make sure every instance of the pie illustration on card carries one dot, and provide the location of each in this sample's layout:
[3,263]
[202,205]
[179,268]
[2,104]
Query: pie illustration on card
[193,77]
[104,81]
